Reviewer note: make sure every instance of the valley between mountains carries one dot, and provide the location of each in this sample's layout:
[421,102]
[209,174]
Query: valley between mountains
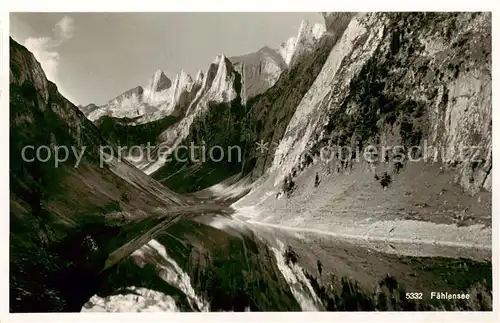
[288,221]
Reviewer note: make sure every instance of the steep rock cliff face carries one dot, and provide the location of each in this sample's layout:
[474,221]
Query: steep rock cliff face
[401,79]
[159,98]
[296,47]
[208,114]
[270,113]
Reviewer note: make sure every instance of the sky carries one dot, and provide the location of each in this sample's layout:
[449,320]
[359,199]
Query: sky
[93,57]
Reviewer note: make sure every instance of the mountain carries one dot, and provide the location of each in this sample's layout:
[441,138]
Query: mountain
[363,172]
[159,83]
[395,129]
[402,89]
[159,98]
[213,94]
[55,204]
[276,110]
[262,69]
[271,112]
[259,70]
[88,108]
[218,99]
[244,77]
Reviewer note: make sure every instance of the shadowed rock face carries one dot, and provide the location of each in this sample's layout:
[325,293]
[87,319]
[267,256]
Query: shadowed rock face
[335,22]
[54,208]
[400,79]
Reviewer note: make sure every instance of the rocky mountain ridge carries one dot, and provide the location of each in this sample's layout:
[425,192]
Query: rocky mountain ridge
[260,70]
[357,40]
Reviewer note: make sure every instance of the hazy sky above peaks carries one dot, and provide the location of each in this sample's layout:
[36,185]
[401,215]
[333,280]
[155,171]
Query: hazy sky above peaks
[93,57]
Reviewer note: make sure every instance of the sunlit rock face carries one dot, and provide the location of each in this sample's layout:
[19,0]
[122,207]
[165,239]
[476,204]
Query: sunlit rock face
[441,75]
[159,98]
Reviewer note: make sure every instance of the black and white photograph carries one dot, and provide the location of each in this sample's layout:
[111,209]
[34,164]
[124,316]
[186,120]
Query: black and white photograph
[250,161]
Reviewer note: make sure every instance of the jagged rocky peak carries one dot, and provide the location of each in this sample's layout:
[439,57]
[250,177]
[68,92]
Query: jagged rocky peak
[183,82]
[295,47]
[224,79]
[186,77]
[308,36]
[199,77]
[88,108]
[259,70]
[332,19]
[159,82]
[219,58]
[222,64]
[335,22]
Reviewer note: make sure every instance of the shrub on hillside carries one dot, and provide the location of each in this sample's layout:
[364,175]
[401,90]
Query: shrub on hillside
[288,186]
[290,256]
